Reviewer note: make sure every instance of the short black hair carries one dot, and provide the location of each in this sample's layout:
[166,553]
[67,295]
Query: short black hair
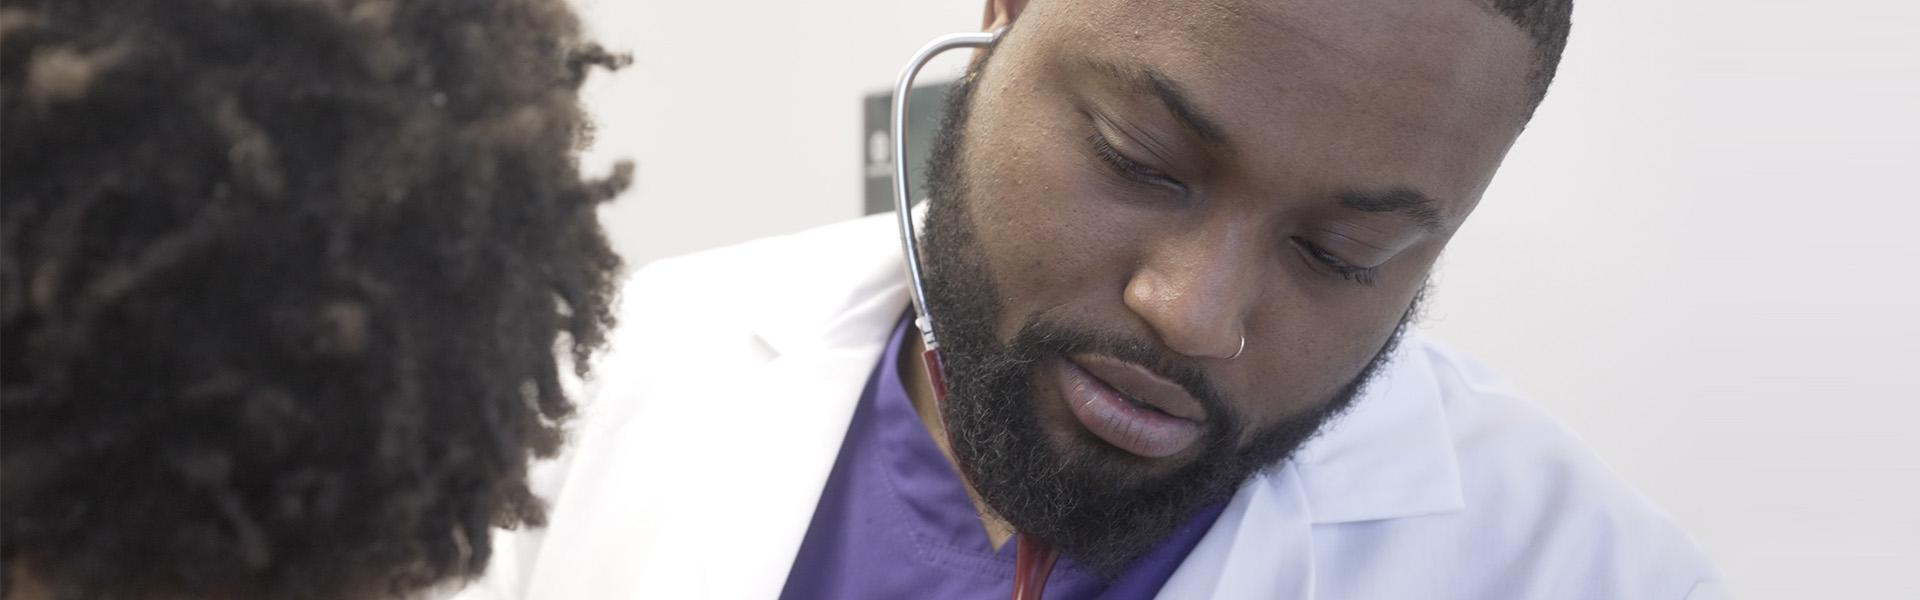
[286,286]
[1547,23]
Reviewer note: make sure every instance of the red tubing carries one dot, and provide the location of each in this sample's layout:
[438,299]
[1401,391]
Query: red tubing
[1032,563]
[937,374]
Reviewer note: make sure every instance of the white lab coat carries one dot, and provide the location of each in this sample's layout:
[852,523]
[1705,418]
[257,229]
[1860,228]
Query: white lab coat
[712,424]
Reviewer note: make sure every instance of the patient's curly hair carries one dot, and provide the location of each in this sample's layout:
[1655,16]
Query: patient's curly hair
[285,288]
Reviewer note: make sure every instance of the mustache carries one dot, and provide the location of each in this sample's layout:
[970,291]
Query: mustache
[1040,338]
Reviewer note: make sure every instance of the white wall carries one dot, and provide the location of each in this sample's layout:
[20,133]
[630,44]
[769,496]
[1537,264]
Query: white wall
[1701,256]
[744,116]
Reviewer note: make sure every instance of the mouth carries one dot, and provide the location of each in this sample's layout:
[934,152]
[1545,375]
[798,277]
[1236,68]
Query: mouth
[1129,406]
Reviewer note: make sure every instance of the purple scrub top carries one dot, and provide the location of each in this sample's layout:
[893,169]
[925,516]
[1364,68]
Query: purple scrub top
[894,520]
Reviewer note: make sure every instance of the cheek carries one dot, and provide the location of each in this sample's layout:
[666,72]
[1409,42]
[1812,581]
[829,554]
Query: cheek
[1038,216]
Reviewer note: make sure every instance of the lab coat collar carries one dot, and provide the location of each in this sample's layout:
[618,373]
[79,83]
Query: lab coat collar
[1389,456]
[851,298]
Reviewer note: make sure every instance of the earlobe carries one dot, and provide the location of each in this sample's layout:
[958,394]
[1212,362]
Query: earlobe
[1001,13]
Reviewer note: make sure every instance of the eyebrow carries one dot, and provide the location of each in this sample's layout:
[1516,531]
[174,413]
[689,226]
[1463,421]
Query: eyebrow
[1171,94]
[1410,203]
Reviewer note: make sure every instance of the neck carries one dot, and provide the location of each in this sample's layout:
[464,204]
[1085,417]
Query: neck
[926,404]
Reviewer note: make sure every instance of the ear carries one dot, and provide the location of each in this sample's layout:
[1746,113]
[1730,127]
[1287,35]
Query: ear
[1001,13]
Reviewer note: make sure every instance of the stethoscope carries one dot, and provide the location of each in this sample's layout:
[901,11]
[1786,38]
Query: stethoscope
[1033,558]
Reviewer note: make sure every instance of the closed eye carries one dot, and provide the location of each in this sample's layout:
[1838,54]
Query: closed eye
[1339,266]
[1129,168]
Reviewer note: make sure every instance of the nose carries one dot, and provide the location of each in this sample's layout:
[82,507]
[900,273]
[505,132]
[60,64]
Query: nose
[1195,289]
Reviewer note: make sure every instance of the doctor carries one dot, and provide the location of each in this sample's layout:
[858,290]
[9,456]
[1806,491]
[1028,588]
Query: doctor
[1173,249]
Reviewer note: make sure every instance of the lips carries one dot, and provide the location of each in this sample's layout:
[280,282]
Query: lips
[1130,407]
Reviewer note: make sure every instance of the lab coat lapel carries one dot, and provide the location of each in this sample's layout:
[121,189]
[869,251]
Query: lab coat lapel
[727,484]
[1389,457]
[793,444]
[1261,546]
[755,490]
[708,490]
[828,335]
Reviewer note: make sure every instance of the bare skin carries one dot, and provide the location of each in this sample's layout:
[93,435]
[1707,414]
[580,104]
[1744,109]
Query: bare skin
[1310,163]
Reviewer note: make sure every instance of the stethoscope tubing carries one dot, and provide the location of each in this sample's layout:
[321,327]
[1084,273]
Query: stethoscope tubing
[1034,559]
[902,204]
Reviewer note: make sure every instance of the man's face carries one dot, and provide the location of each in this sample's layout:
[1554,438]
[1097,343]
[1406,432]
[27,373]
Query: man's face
[1133,188]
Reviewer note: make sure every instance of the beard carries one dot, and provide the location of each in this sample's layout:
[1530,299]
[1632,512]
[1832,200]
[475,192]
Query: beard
[1097,504]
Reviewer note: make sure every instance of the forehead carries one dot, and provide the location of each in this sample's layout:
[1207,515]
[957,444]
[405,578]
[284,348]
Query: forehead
[1428,92]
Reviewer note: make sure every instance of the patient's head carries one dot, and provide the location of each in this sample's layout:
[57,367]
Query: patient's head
[284,287]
